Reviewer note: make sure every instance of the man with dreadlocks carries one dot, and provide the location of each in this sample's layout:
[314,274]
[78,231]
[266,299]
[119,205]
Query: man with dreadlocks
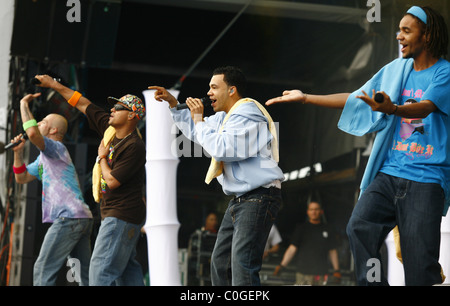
[406,184]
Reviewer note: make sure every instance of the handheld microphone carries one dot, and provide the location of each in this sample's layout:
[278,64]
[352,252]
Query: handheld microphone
[15,144]
[379,98]
[184,105]
[35,81]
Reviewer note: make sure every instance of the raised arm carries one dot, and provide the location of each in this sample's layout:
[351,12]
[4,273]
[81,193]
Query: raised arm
[67,93]
[29,123]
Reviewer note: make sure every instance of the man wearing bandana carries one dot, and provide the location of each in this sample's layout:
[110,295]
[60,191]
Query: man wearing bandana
[121,176]
[406,184]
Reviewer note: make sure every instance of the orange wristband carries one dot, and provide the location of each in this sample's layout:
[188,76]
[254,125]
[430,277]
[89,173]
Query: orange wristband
[74,99]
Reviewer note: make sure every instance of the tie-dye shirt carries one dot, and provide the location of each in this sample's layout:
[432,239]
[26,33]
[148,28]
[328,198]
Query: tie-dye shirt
[61,193]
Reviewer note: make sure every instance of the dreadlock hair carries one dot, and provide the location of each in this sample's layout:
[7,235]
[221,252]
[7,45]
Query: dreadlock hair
[436,33]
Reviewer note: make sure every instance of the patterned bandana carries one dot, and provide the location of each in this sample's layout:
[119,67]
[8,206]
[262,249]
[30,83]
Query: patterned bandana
[132,102]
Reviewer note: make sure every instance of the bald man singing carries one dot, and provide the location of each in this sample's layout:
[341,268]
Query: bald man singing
[67,241]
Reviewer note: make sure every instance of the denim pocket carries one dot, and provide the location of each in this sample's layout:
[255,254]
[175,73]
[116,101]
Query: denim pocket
[255,211]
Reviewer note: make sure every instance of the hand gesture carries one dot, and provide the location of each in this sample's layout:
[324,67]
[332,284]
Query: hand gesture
[288,96]
[385,107]
[30,97]
[162,94]
[102,150]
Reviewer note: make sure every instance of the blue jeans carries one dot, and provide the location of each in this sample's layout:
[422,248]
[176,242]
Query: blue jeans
[417,210]
[237,256]
[113,259]
[65,238]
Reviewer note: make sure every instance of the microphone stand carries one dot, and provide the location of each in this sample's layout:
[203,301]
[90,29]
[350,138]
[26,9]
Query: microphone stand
[180,81]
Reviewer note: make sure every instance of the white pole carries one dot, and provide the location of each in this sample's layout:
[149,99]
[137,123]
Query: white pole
[161,225]
[444,258]
[395,272]
[6,30]
[396,276]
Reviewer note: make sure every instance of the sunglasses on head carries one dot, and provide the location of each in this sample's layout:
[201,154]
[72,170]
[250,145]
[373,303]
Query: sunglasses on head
[119,107]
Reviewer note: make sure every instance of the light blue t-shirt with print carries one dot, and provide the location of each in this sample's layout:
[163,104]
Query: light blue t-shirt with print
[421,148]
[61,193]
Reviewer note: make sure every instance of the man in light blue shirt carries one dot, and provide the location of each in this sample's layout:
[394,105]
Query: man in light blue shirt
[241,140]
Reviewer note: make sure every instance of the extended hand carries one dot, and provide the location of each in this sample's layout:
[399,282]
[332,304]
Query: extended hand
[161,94]
[288,96]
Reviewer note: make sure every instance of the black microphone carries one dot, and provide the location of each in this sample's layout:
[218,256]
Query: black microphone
[184,105]
[379,98]
[15,144]
[35,81]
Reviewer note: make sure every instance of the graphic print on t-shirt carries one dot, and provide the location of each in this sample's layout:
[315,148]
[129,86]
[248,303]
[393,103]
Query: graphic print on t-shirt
[409,126]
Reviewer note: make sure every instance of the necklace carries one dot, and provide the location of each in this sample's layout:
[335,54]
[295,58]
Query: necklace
[113,147]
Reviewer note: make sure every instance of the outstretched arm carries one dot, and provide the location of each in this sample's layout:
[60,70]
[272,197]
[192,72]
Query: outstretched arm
[292,96]
[67,93]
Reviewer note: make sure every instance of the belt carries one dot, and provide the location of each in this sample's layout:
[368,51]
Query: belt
[260,190]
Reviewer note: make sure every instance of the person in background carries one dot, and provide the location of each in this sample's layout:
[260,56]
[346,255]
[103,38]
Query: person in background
[273,242]
[315,245]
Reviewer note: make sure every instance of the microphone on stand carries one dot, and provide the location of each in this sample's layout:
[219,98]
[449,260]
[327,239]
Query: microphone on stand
[184,105]
[15,144]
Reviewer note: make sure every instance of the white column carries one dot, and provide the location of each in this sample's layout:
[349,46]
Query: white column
[395,273]
[6,30]
[444,258]
[161,225]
